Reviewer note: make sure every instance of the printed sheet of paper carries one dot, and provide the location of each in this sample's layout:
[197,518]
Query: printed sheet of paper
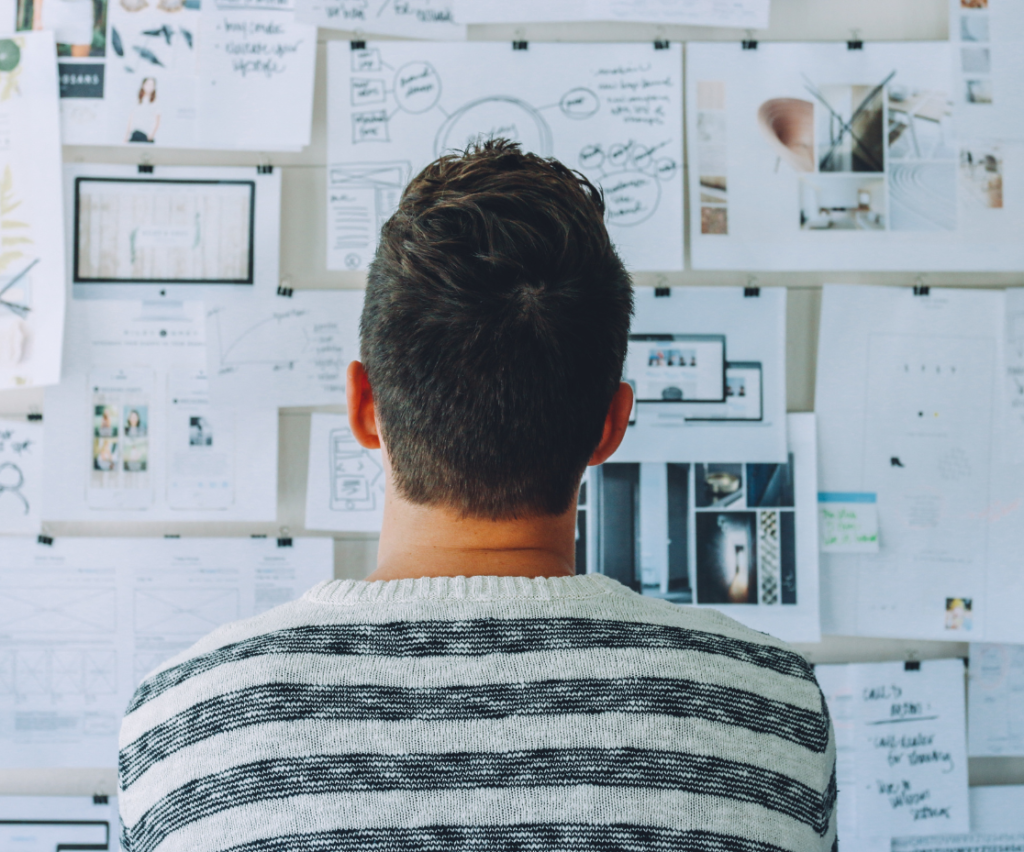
[741,538]
[908,402]
[31,249]
[752,14]
[901,754]
[708,366]
[435,19]
[1013,388]
[47,823]
[813,156]
[21,475]
[277,351]
[134,433]
[180,74]
[995,693]
[988,60]
[84,620]
[613,111]
[345,486]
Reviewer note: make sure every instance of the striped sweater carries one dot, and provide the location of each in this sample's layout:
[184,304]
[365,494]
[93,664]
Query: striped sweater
[480,714]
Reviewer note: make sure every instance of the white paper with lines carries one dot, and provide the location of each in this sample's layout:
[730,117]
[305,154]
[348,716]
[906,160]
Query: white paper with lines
[901,750]
[82,621]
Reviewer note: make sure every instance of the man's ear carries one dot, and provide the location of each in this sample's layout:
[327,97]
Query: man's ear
[615,424]
[362,416]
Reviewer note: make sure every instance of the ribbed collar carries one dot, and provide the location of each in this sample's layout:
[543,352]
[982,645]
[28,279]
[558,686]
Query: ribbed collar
[353,592]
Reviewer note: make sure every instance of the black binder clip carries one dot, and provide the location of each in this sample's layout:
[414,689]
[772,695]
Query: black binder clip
[921,289]
[284,542]
[264,170]
[145,169]
[357,45]
[662,292]
[661,44]
[45,539]
[100,800]
[749,44]
[35,418]
[287,292]
[751,292]
[855,44]
[912,666]
[520,45]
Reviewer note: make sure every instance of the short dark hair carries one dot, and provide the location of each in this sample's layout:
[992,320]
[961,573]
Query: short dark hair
[494,332]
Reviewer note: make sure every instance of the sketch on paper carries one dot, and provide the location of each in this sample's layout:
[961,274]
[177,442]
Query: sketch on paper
[21,456]
[436,19]
[58,671]
[189,611]
[41,609]
[345,487]
[393,108]
[355,474]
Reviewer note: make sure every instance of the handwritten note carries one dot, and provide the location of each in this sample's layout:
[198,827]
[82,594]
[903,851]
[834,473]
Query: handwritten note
[848,522]
[436,19]
[21,459]
[901,747]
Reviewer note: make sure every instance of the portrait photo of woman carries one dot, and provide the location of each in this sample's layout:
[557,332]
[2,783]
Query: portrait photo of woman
[145,117]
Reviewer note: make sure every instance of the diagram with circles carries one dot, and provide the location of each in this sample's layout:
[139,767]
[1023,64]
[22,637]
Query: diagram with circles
[611,112]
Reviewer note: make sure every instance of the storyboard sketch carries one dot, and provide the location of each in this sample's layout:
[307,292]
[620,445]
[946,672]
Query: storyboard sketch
[814,156]
[752,14]
[708,369]
[434,19]
[996,701]
[901,754]
[345,486]
[31,249]
[168,232]
[134,433]
[988,59]
[741,538]
[48,823]
[279,351]
[909,400]
[21,474]
[615,114]
[83,621]
[177,73]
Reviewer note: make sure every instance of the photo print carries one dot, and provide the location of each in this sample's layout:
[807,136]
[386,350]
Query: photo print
[959,614]
[727,557]
[981,177]
[712,156]
[79,26]
[119,432]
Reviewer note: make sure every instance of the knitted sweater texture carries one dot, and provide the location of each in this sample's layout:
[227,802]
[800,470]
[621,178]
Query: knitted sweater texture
[476,715]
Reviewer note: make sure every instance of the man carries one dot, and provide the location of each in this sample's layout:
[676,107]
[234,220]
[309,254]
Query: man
[475,695]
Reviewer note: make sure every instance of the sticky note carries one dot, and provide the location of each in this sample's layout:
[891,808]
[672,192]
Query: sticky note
[848,522]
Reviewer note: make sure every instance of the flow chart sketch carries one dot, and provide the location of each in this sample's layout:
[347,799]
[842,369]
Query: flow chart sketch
[615,115]
[345,490]
[278,351]
[815,156]
[31,249]
[21,472]
[434,19]
[101,614]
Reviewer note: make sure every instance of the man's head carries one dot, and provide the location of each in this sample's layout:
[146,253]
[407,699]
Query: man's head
[494,331]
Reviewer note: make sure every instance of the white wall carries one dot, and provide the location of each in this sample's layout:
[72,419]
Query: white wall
[303,265]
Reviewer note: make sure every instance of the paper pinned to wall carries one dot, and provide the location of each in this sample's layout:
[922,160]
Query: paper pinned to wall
[83,621]
[434,19]
[848,522]
[1013,388]
[997,825]
[708,365]
[134,433]
[901,753]
[21,474]
[276,351]
[613,111]
[741,538]
[908,400]
[751,14]
[32,256]
[345,486]
[996,701]
[45,823]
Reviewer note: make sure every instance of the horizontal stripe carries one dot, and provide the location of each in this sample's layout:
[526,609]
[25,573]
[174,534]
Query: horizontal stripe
[523,838]
[474,638]
[250,822]
[288,702]
[436,672]
[310,737]
[647,769]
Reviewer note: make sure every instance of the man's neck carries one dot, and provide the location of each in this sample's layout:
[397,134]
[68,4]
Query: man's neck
[424,541]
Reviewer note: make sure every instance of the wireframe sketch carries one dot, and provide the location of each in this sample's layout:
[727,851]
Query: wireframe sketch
[355,474]
[190,612]
[46,609]
[57,671]
[610,113]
